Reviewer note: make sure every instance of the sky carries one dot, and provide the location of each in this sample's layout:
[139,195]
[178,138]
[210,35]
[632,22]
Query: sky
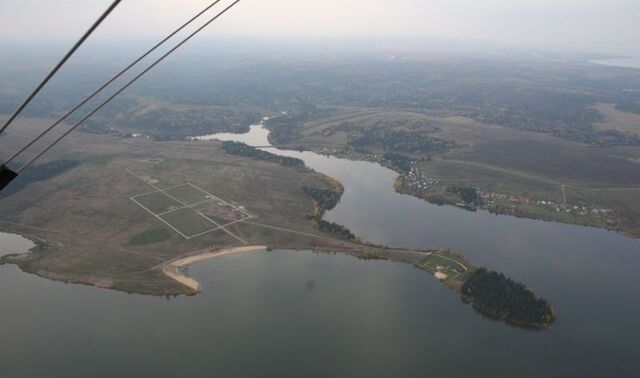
[585,25]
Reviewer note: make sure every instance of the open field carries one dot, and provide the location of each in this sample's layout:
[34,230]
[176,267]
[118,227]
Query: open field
[189,223]
[157,202]
[615,119]
[490,178]
[443,264]
[186,209]
[567,162]
[100,236]
[187,194]
[449,267]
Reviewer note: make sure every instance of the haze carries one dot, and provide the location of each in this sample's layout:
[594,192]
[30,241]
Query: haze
[593,25]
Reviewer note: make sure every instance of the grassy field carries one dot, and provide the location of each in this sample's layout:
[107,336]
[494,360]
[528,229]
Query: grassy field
[567,162]
[187,194]
[444,264]
[101,237]
[157,202]
[452,268]
[188,222]
[490,178]
[618,120]
[152,236]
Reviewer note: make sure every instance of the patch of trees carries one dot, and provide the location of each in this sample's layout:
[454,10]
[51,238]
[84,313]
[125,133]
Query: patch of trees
[41,172]
[242,149]
[164,122]
[468,194]
[334,229]
[499,297]
[413,142]
[326,199]
[399,161]
[284,128]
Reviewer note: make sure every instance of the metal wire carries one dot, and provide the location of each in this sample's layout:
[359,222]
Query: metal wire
[110,81]
[60,64]
[163,57]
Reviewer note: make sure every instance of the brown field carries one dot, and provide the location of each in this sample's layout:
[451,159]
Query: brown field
[617,120]
[567,162]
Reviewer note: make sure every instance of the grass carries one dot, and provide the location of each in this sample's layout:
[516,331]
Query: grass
[570,163]
[152,236]
[618,120]
[492,180]
[188,222]
[157,202]
[220,213]
[187,193]
[103,233]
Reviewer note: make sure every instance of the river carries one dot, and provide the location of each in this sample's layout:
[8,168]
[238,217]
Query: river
[300,314]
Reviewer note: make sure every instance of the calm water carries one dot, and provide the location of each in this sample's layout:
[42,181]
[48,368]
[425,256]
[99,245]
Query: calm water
[291,314]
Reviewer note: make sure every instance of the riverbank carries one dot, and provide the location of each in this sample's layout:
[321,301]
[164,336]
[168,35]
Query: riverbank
[173,269]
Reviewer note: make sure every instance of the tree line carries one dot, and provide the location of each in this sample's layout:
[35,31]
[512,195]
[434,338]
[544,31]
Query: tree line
[331,228]
[242,149]
[326,199]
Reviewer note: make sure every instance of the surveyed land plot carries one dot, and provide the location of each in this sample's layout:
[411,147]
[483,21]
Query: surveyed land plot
[189,223]
[157,202]
[188,194]
[191,211]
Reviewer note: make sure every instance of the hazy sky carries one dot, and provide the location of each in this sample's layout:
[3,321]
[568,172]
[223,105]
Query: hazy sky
[600,25]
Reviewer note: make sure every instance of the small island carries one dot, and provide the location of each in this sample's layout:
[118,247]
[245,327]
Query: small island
[490,293]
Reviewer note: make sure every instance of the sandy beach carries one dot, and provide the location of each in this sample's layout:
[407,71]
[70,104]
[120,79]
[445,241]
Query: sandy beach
[173,268]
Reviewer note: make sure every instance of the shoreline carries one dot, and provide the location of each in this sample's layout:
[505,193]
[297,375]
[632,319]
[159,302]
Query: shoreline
[173,269]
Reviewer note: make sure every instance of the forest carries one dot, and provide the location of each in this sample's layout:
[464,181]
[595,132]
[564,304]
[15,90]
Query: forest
[467,194]
[241,149]
[332,228]
[413,142]
[325,199]
[499,297]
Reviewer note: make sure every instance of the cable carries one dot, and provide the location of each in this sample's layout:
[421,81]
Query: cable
[60,64]
[110,81]
[127,86]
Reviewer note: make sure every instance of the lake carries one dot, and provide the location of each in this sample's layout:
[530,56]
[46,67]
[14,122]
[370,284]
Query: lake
[293,314]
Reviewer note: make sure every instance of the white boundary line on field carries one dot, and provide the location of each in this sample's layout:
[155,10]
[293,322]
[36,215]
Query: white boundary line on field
[211,198]
[161,220]
[221,200]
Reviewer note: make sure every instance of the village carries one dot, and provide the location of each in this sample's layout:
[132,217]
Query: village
[436,190]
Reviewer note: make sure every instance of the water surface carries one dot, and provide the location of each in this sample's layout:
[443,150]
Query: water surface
[291,314]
